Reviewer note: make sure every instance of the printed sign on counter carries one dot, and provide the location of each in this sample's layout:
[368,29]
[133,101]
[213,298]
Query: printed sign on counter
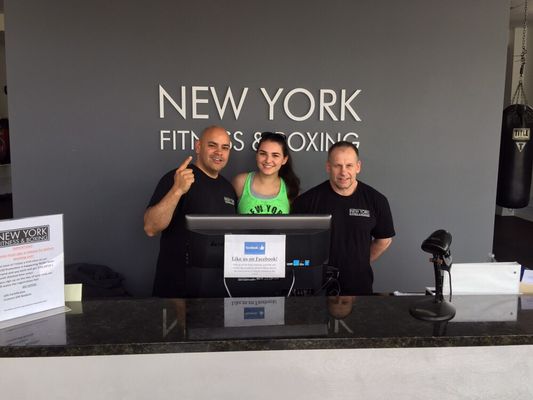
[31,266]
[254,256]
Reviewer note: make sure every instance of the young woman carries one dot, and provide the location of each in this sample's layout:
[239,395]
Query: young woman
[270,189]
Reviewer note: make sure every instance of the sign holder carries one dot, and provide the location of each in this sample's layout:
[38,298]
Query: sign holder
[31,269]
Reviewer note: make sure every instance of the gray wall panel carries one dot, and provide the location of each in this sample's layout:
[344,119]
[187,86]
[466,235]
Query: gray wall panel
[83,103]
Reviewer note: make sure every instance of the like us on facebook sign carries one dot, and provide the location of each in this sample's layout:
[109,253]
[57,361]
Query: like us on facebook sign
[254,256]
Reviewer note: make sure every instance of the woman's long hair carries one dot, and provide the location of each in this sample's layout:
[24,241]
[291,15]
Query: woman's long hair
[286,171]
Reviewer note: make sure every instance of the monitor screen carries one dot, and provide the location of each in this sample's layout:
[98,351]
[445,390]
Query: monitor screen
[307,239]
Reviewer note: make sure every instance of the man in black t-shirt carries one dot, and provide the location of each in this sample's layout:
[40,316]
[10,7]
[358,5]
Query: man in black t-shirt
[189,189]
[362,227]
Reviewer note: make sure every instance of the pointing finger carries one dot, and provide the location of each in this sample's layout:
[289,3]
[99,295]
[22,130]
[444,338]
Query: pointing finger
[185,163]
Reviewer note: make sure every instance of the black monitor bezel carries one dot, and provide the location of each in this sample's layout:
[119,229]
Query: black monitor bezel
[292,224]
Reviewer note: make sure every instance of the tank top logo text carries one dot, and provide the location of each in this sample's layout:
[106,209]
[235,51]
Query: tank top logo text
[265,209]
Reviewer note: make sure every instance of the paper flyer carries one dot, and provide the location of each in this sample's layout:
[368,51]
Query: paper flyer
[31,266]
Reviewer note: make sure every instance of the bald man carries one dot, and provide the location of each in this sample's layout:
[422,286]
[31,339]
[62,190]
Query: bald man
[190,189]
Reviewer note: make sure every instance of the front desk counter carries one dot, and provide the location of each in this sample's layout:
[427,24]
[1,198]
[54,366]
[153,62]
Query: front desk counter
[150,326]
[272,348]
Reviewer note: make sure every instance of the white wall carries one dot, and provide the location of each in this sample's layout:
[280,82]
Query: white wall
[85,125]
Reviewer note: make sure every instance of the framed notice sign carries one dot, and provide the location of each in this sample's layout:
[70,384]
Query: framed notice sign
[31,266]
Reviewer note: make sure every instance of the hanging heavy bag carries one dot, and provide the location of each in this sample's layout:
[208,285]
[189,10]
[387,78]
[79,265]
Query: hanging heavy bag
[516,154]
[516,157]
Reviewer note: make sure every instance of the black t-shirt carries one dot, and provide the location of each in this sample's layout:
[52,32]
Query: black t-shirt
[356,219]
[206,196]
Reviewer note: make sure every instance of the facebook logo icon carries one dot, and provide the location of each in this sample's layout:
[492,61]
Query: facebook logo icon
[254,312]
[254,247]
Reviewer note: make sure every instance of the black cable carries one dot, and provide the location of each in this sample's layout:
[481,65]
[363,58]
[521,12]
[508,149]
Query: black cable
[450,280]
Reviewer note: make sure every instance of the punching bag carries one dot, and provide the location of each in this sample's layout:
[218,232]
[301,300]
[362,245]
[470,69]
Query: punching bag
[516,157]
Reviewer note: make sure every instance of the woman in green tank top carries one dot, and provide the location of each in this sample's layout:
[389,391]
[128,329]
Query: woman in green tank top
[270,189]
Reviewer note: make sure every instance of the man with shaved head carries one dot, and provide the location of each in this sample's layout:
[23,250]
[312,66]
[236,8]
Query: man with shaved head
[190,189]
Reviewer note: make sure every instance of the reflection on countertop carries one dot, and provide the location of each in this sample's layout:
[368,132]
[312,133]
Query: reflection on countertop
[141,326]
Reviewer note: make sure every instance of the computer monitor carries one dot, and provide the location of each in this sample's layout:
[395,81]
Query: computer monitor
[307,240]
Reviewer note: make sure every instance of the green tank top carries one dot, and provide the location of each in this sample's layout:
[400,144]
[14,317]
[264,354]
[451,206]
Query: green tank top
[250,204]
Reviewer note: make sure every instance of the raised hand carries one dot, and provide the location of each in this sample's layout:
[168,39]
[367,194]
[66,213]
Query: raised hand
[183,178]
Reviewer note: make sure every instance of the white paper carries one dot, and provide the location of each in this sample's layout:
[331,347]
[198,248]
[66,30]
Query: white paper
[254,256]
[484,278]
[31,266]
[73,292]
[528,277]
